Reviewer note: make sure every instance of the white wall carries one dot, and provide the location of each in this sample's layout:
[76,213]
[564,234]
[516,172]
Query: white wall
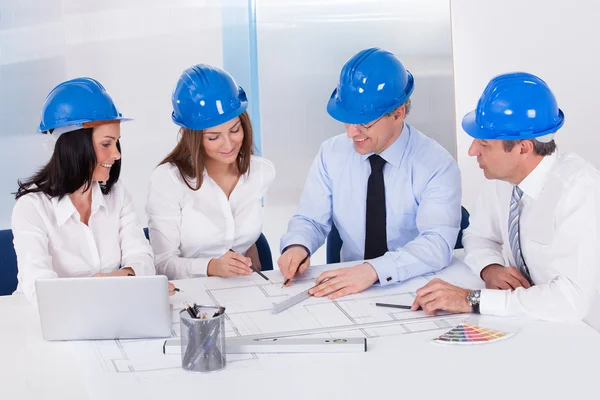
[553,39]
[137,49]
[302,45]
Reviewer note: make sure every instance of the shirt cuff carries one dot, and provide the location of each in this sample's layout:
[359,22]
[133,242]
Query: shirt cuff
[493,302]
[385,268]
[200,267]
[140,270]
[296,240]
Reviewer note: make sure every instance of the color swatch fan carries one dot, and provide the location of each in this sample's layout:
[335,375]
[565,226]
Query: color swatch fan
[471,334]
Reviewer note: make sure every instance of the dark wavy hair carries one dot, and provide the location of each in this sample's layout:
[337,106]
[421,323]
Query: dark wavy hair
[71,167]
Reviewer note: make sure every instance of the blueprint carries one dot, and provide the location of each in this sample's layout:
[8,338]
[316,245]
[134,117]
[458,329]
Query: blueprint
[248,302]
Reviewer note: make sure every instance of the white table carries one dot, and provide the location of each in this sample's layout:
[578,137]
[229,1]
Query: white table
[542,361]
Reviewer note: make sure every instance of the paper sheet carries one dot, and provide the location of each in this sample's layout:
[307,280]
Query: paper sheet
[125,364]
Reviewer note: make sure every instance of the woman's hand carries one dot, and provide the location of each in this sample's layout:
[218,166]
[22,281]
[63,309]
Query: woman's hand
[252,253]
[120,272]
[171,289]
[230,264]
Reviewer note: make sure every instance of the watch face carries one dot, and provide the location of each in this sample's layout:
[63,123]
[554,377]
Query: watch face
[473,297]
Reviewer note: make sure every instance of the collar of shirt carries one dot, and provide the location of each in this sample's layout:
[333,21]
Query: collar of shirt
[393,154]
[64,208]
[207,177]
[534,182]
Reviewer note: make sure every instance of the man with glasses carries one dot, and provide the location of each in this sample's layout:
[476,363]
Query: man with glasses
[393,193]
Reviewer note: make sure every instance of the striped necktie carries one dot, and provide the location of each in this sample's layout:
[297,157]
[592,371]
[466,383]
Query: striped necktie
[513,232]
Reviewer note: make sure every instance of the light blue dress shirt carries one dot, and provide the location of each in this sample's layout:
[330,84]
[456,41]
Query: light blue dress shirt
[422,197]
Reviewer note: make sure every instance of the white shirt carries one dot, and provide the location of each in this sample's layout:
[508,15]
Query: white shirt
[51,241]
[189,228]
[560,240]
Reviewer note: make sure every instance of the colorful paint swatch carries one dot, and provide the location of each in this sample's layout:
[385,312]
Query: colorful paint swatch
[471,334]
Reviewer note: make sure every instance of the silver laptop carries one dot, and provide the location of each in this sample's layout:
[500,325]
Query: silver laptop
[104,307]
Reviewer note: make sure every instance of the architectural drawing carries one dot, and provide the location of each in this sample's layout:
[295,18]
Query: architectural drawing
[249,301]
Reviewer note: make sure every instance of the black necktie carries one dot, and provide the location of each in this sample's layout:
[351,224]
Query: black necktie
[375,233]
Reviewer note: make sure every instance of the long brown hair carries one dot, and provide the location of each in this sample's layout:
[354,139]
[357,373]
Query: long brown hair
[189,154]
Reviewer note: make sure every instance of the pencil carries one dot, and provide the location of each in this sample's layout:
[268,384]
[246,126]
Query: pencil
[219,311]
[394,306]
[256,270]
[260,273]
[289,279]
[191,311]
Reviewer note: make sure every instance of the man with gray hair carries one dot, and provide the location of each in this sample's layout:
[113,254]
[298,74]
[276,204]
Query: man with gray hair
[393,193]
[535,231]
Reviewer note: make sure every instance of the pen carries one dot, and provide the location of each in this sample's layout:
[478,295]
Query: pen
[289,279]
[395,306]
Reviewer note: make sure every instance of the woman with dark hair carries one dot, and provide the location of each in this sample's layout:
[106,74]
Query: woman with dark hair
[204,203]
[73,218]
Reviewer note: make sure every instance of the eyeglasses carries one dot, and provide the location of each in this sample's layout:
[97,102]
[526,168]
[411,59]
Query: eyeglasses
[365,128]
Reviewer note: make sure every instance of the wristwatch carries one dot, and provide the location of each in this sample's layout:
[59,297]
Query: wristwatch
[473,299]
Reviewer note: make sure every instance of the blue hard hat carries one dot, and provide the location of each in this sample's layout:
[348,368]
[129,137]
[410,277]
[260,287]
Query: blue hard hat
[75,102]
[372,83]
[514,106]
[206,96]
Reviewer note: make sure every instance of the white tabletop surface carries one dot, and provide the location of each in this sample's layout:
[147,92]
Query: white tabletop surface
[541,361]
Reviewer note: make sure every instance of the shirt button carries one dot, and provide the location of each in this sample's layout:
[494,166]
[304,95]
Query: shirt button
[389,278]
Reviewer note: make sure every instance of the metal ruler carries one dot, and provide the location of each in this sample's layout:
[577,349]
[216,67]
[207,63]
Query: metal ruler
[292,301]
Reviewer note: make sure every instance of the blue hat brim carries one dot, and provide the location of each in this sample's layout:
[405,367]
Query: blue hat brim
[470,126]
[341,114]
[221,119]
[473,129]
[79,123]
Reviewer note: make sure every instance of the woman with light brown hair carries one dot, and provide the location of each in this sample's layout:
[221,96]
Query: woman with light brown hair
[204,203]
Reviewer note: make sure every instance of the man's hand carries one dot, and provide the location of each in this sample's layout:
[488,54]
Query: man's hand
[442,296]
[344,281]
[229,264]
[289,261]
[498,277]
